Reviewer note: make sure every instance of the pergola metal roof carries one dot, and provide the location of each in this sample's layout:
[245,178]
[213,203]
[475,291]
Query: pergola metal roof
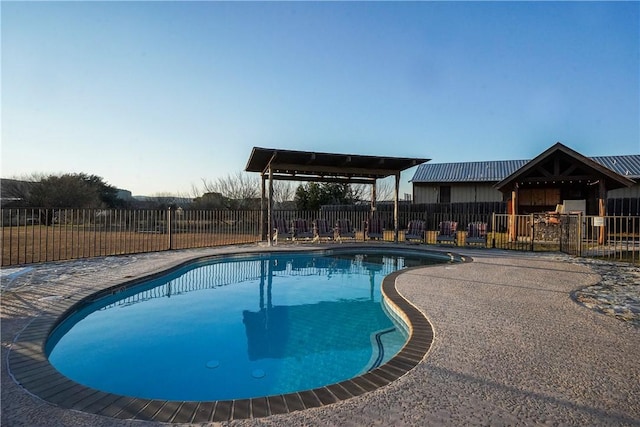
[329,167]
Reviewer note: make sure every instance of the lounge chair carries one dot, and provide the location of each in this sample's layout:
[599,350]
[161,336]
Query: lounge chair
[476,233]
[415,231]
[344,230]
[448,232]
[321,230]
[281,230]
[374,229]
[301,229]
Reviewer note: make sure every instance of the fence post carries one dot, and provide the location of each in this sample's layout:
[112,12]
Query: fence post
[169,228]
[493,230]
[533,229]
[579,234]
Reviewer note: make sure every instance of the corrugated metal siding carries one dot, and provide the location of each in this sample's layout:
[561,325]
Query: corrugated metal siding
[474,193]
[488,194]
[462,193]
[494,171]
[425,194]
[622,193]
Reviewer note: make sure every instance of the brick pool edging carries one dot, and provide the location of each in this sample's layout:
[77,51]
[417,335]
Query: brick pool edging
[30,368]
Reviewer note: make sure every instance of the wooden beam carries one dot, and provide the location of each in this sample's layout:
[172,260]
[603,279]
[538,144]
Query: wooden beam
[337,170]
[267,169]
[556,178]
[342,180]
[570,169]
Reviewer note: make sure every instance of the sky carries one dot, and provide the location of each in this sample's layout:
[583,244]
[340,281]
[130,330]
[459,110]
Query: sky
[155,97]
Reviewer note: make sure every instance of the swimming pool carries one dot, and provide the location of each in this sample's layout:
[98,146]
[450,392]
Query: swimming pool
[237,328]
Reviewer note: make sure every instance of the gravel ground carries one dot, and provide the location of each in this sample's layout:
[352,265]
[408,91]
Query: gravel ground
[512,346]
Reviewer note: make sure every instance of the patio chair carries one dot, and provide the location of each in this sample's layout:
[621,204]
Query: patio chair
[374,229]
[281,229]
[301,229]
[344,230]
[321,230]
[553,217]
[448,232]
[476,233]
[415,231]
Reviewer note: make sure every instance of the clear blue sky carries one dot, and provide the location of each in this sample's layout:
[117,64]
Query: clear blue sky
[155,96]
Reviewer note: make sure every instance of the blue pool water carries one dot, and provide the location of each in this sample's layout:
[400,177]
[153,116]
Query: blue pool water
[236,328]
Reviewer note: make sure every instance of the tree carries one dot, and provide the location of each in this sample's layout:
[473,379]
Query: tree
[108,194]
[313,195]
[210,201]
[384,190]
[64,191]
[241,191]
[282,192]
[72,191]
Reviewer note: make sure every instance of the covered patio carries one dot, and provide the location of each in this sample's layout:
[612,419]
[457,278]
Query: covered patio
[561,181]
[277,164]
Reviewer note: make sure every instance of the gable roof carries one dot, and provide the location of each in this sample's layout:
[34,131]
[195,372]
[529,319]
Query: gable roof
[548,167]
[497,170]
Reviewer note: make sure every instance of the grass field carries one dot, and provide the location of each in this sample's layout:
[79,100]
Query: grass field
[39,243]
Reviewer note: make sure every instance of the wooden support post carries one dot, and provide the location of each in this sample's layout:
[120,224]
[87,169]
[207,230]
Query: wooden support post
[373,209]
[513,235]
[602,210]
[373,198]
[263,230]
[270,207]
[395,208]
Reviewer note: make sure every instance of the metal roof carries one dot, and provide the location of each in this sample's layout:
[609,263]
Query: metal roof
[628,166]
[545,168]
[496,170]
[490,171]
[317,166]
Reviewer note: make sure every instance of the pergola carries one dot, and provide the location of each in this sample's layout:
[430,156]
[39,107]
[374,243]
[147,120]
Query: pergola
[292,165]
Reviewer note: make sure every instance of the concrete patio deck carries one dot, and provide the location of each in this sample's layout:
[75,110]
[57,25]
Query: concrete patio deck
[510,345]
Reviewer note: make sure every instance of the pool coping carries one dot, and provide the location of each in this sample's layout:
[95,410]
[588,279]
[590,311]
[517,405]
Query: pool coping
[29,366]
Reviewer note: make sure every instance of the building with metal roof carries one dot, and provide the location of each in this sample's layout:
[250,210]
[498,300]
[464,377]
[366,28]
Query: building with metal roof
[497,170]
[555,175]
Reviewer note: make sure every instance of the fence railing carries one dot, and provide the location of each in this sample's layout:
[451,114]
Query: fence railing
[609,237]
[39,235]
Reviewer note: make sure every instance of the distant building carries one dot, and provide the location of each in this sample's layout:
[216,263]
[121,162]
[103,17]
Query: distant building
[13,192]
[124,195]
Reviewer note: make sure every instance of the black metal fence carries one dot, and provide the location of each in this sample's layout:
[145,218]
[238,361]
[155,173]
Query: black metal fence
[39,235]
